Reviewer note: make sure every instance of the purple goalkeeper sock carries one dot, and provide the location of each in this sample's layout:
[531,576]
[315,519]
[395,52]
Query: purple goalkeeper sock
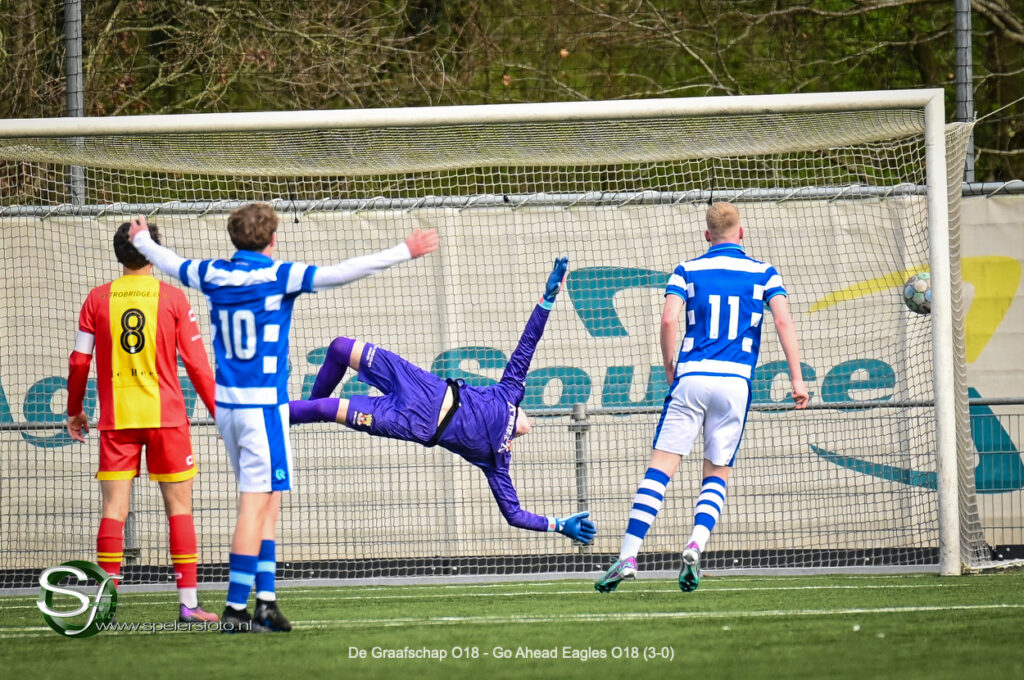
[313,411]
[333,370]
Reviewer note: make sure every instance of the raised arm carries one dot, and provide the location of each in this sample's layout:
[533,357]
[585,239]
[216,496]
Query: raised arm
[519,363]
[669,330]
[577,526]
[164,259]
[418,243]
[779,304]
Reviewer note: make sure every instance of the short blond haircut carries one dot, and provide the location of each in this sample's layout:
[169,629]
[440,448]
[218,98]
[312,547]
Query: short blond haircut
[252,226]
[722,219]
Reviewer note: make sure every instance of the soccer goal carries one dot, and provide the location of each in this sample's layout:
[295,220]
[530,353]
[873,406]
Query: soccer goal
[847,194]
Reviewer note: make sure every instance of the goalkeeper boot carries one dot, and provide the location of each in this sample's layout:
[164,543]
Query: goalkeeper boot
[239,621]
[196,615]
[622,569]
[268,615]
[689,575]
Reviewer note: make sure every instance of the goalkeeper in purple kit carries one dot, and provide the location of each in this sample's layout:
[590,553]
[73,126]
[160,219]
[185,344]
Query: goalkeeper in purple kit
[476,423]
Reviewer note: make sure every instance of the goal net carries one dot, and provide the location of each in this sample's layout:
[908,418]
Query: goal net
[836,198]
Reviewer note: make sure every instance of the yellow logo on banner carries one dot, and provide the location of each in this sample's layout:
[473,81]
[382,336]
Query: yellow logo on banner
[995,279]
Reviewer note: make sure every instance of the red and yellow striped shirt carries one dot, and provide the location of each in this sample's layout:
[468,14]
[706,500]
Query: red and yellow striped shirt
[140,326]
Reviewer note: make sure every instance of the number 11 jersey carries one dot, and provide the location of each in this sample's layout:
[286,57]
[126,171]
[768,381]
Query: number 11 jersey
[725,292]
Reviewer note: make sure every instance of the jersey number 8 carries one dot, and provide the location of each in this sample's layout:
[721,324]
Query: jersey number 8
[132,323]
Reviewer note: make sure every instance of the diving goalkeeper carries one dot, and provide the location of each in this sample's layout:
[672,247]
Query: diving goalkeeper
[476,423]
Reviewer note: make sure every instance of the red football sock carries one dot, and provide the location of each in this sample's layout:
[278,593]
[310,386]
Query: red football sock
[110,545]
[184,553]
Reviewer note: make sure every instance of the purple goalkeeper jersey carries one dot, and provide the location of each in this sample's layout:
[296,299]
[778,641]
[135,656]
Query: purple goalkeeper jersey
[481,428]
[481,433]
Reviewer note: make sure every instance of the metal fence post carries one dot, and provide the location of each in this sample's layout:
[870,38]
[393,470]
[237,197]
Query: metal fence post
[132,547]
[579,427]
[132,550]
[965,77]
[74,96]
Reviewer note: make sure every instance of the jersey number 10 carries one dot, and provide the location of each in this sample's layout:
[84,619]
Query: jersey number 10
[238,333]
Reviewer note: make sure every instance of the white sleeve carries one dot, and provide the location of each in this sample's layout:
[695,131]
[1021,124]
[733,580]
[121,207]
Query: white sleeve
[359,267]
[164,259]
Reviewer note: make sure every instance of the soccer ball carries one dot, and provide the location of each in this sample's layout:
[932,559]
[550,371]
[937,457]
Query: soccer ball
[917,293]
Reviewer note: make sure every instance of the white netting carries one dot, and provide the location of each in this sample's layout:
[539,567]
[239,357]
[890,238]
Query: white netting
[835,201]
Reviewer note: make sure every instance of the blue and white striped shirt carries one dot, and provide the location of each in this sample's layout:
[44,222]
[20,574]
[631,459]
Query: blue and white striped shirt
[725,293]
[251,300]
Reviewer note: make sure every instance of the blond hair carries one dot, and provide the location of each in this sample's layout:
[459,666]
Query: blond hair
[252,226]
[722,219]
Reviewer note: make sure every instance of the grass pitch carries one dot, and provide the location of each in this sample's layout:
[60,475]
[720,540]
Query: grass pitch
[892,626]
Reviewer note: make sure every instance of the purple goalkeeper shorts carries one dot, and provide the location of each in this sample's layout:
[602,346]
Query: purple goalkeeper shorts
[411,402]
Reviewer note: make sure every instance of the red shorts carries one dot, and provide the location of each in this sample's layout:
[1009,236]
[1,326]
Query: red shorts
[168,453]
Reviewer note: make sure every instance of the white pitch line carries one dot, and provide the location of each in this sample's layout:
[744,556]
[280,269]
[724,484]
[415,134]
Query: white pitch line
[600,617]
[533,593]
[619,616]
[285,588]
[319,589]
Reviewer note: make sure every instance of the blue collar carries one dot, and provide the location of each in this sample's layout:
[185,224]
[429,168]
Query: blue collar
[725,246]
[251,256]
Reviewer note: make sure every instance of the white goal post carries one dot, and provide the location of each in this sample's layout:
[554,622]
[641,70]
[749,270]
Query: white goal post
[848,193]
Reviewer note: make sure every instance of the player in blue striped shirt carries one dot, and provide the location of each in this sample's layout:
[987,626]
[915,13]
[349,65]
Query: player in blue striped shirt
[476,423]
[724,292]
[251,299]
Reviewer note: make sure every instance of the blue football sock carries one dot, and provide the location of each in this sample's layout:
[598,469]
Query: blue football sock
[241,578]
[266,569]
[709,507]
[650,496]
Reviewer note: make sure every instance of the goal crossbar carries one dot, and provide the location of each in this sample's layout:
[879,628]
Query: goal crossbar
[474,114]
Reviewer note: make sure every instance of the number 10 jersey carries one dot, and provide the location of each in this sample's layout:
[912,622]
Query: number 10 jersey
[251,300]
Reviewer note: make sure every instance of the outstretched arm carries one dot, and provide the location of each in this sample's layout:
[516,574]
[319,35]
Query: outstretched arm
[519,362]
[164,259]
[508,502]
[418,244]
[577,526]
[779,304]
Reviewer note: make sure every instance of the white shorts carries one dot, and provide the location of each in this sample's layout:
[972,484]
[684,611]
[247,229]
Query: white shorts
[258,446]
[718,402]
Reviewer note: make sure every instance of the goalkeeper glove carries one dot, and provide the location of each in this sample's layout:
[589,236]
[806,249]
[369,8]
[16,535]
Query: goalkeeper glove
[576,527]
[555,281]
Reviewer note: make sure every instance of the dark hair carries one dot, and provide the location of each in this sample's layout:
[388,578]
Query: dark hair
[252,226]
[124,250]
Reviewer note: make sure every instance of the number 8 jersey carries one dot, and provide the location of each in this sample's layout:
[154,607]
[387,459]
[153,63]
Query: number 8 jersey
[725,293]
[251,300]
[137,327]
